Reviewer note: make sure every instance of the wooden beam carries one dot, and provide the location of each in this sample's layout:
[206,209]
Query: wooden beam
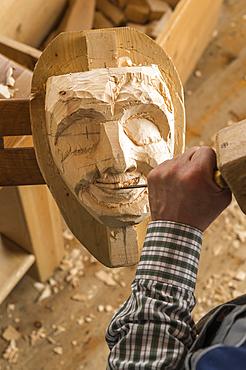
[45,228]
[14,263]
[100,21]
[81,15]
[29,21]
[19,52]
[19,167]
[188,33]
[15,117]
[221,100]
[112,12]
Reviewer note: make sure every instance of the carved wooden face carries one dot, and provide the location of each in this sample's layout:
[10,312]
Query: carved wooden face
[108,128]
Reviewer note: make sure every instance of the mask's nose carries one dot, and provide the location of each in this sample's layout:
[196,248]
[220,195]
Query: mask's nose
[114,154]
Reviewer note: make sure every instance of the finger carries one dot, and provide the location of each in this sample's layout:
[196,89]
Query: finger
[206,158]
[189,153]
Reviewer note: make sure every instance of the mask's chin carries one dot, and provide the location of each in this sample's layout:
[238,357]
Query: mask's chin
[116,208]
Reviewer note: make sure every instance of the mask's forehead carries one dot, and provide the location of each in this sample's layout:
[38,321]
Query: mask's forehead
[104,84]
[106,90]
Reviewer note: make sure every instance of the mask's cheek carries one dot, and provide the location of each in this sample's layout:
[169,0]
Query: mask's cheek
[150,156]
[75,168]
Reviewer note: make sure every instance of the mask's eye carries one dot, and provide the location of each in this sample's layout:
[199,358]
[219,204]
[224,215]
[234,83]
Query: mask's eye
[142,131]
[79,137]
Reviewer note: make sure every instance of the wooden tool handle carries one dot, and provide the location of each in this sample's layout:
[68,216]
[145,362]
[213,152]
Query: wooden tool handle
[219,180]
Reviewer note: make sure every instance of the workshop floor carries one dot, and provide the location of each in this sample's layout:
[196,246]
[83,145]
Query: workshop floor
[66,329]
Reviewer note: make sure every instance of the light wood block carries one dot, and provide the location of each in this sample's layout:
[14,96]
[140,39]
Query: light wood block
[81,15]
[19,52]
[31,21]
[100,21]
[19,167]
[14,263]
[15,117]
[231,159]
[188,33]
[111,11]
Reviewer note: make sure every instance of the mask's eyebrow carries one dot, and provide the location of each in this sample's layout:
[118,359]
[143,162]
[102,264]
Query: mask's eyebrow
[86,115]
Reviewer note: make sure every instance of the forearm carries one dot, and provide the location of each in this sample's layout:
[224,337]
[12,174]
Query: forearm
[154,328]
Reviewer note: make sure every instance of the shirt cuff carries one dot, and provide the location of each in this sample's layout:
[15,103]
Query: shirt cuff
[170,254]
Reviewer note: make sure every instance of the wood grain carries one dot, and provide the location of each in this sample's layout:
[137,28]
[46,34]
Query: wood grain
[15,117]
[19,167]
[31,22]
[19,52]
[80,16]
[14,263]
[188,33]
[231,157]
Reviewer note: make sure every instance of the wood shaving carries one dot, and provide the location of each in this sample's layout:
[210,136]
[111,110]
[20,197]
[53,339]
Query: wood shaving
[58,329]
[11,353]
[10,81]
[240,276]
[108,308]
[100,308]
[105,277]
[88,319]
[51,340]
[46,293]
[36,336]
[79,297]
[198,73]
[68,235]
[5,92]
[81,321]
[58,350]
[39,286]
[10,333]
[10,307]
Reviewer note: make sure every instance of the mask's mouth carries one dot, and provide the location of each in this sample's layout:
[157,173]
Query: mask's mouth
[106,192]
[116,182]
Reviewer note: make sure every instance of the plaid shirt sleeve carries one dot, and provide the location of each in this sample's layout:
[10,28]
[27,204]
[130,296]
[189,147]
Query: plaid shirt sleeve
[153,329]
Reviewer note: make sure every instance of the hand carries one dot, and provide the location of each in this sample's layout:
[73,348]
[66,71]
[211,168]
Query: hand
[183,189]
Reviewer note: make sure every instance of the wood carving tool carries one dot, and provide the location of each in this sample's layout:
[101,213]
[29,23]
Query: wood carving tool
[231,160]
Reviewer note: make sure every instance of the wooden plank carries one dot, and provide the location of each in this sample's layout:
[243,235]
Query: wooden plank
[12,220]
[44,224]
[31,21]
[19,52]
[81,15]
[112,12]
[19,167]
[100,21]
[15,117]
[188,33]
[14,263]
[221,101]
